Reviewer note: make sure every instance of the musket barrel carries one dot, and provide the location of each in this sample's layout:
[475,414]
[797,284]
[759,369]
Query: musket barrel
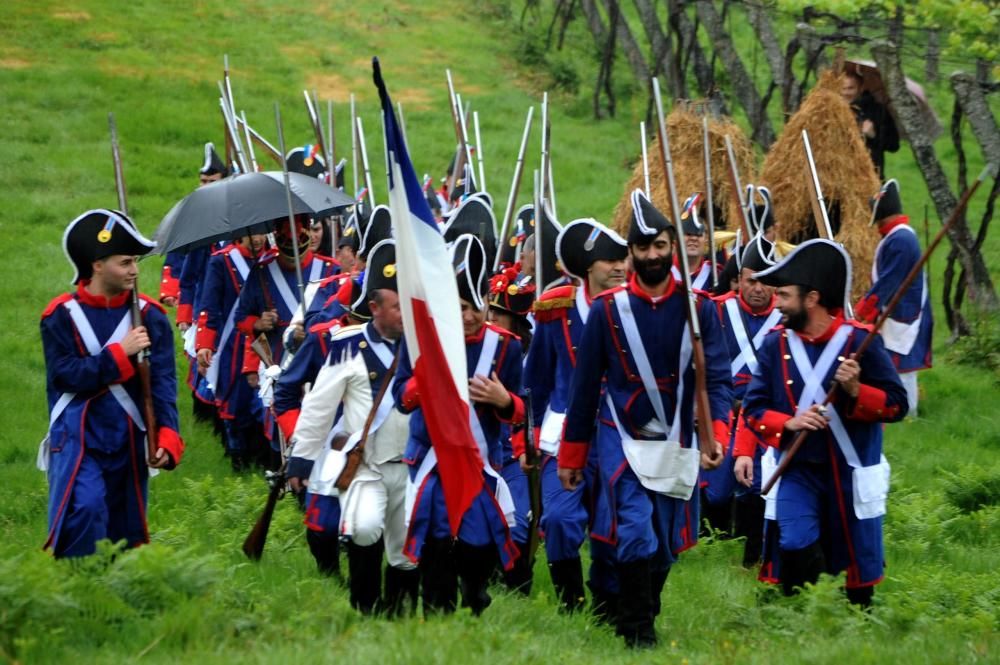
[709,201]
[645,157]
[246,136]
[818,203]
[354,146]
[737,187]
[291,211]
[364,162]
[479,151]
[515,185]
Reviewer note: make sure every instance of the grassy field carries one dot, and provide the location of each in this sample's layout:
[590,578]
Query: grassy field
[191,595]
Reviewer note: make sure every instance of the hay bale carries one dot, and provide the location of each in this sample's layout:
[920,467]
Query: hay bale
[846,175]
[685,130]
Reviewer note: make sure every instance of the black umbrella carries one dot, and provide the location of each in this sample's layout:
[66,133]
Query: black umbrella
[242,204]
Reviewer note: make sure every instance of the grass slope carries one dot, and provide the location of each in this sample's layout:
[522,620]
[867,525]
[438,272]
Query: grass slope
[191,594]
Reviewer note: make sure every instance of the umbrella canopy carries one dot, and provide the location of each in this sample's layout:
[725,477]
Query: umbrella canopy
[873,84]
[242,204]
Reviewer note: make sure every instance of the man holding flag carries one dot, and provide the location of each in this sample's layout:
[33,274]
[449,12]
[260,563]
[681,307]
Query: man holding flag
[448,477]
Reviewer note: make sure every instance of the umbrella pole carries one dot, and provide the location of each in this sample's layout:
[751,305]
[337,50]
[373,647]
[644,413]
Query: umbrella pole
[291,211]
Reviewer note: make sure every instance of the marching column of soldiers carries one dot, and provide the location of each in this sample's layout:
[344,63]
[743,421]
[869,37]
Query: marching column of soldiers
[584,383]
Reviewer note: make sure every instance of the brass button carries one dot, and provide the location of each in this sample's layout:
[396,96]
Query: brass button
[763,427]
[787,357]
[569,322]
[789,381]
[841,358]
[363,344]
[372,375]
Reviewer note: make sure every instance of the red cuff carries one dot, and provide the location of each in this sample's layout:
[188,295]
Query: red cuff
[126,369]
[185,313]
[246,326]
[768,427]
[287,421]
[573,454]
[411,395]
[518,442]
[204,337]
[170,286]
[251,361]
[870,406]
[516,408]
[867,309]
[172,442]
[745,443]
[721,431]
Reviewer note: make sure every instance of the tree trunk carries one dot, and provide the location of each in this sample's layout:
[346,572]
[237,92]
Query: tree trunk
[761,23]
[743,86]
[660,46]
[703,73]
[624,37]
[909,118]
[984,125]
[595,22]
[933,56]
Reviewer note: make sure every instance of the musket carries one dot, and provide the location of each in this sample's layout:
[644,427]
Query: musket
[544,165]
[364,163]
[229,119]
[552,190]
[532,459]
[402,123]
[142,358]
[537,202]
[479,152]
[897,297]
[291,212]
[463,128]
[354,145]
[246,137]
[645,158]
[261,142]
[703,413]
[709,204]
[314,121]
[816,193]
[456,113]
[736,190]
[253,545]
[331,152]
[515,185]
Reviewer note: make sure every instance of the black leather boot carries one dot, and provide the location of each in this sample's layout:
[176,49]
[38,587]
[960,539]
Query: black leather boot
[438,577]
[750,525]
[364,564]
[862,596]
[719,516]
[519,577]
[635,605]
[567,579]
[603,606]
[325,548]
[657,579]
[801,566]
[474,566]
[401,589]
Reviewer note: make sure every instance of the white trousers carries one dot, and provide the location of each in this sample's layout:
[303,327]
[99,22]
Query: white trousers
[374,507]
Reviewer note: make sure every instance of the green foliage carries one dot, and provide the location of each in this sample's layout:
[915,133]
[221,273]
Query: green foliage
[981,348]
[973,487]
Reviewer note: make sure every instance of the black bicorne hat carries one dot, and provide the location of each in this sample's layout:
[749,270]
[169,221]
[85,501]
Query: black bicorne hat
[548,270]
[647,221]
[820,265]
[690,221]
[584,241]
[465,185]
[761,215]
[380,273]
[886,203]
[510,251]
[359,304]
[758,254]
[340,170]
[98,234]
[212,164]
[379,229]
[512,292]
[468,259]
[474,216]
[307,161]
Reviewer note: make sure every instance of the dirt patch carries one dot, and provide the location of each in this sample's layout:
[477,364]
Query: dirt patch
[72,16]
[13,63]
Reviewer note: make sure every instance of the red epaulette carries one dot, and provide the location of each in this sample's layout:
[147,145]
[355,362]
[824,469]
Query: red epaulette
[334,278]
[324,326]
[58,300]
[223,250]
[152,301]
[550,305]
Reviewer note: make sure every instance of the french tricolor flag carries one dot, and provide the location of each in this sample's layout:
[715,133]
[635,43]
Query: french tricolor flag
[432,321]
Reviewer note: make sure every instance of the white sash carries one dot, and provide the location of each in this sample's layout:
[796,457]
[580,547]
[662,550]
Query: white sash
[871,483]
[663,466]
[582,306]
[212,373]
[748,347]
[900,337]
[701,279]
[491,341]
[285,291]
[94,347]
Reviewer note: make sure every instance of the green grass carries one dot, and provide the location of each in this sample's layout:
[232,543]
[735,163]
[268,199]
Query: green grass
[192,595]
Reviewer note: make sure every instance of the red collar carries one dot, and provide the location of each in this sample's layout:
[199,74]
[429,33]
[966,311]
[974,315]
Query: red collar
[305,259]
[891,223]
[478,337]
[88,298]
[638,291]
[746,307]
[826,335]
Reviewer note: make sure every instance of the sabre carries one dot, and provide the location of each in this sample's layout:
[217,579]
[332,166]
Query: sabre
[709,206]
[515,185]
[711,457]
[800,436]
[364,163]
